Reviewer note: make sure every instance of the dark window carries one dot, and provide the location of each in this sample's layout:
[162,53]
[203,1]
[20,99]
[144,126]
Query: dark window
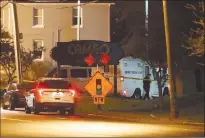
[64,73]
[54,84]
[37,44]
[89,72]
[78,73]
[75,16]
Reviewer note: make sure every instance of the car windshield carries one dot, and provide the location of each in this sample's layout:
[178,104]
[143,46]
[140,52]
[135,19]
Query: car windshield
[54,84]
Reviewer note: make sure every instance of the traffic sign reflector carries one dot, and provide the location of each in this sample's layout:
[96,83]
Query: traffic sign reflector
[89,60]
[98,85]
[105,59]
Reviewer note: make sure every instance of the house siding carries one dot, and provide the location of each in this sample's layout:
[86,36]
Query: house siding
[96,26]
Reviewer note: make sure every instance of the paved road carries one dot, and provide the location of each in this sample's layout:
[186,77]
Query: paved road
[19,124]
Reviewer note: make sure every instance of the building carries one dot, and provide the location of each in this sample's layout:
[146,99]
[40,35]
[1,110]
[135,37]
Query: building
[43,23]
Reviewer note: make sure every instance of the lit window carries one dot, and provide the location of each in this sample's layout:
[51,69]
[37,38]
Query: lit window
[37,17]
[75,17]
[37,44]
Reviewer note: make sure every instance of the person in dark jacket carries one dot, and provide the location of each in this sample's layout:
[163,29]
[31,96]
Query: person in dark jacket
[146,86]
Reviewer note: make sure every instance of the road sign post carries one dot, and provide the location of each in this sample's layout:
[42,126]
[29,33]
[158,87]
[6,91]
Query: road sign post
[99,92]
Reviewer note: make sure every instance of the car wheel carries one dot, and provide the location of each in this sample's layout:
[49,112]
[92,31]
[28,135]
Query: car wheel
[11,104]
[27,110]
[62,111]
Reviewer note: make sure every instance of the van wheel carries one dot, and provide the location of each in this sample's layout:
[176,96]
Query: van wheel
[137,94]
[166,91]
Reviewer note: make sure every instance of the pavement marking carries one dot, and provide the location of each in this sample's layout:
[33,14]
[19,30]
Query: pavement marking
[194,123]
[17,120]
[61,118]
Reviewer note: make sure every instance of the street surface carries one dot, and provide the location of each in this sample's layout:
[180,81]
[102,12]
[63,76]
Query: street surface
[19,124]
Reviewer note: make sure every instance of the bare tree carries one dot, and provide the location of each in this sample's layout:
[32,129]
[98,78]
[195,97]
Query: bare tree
[195,40]
[39,69]
[7,58]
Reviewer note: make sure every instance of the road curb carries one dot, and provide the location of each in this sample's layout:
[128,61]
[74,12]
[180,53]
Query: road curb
[153,120]
[193,123]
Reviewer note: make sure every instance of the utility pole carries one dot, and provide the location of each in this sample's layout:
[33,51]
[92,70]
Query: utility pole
[79,21]
[58,40]
[16,38]
[173,107]
[0,12]
[16,41]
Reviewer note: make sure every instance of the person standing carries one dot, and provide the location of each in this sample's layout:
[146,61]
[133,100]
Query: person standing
[146,86]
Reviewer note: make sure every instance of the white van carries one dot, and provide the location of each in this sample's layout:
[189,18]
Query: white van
[137,69]
[77,76]
[133,68]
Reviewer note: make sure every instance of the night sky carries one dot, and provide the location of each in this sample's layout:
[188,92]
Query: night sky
[180,21]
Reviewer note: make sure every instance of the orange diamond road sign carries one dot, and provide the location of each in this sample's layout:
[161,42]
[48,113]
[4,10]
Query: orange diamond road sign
[98,85]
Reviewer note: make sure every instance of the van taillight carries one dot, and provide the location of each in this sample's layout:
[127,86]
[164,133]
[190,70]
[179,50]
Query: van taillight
[71,92]
[40,91]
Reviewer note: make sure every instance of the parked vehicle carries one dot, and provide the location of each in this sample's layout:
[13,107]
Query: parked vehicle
[14,96]
[50,94]
[77,76]
[136,68]
[133,70]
